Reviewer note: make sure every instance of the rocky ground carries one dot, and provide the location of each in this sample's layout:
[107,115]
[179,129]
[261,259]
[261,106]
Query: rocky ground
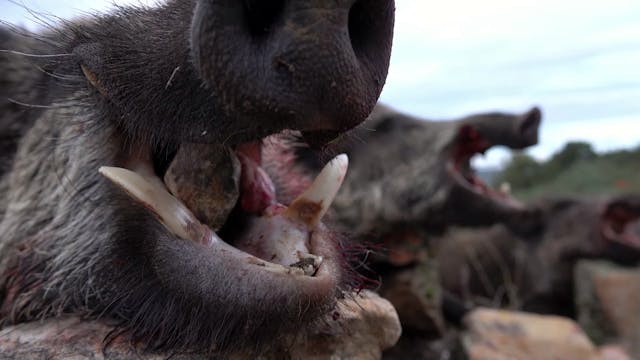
[606,325]
[362,326]
[487,294]
[564,287]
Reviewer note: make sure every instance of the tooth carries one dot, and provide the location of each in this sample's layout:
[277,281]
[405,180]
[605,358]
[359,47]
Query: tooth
[152,193]
[308,263]
[317,260]
[312,204]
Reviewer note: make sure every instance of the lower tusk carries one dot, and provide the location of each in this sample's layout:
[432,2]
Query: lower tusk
[152,193]
[149,190]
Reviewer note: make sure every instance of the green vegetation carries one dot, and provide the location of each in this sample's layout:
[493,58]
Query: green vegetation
[574,170]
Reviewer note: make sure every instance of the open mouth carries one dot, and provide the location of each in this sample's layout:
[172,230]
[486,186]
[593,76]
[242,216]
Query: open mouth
[467,144]
[621,225]
[234,198]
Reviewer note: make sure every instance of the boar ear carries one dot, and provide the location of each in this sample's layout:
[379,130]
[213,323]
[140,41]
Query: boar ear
[529,124]
[90,59]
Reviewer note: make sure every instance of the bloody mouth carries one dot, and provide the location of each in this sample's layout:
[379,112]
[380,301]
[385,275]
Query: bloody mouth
[467,144]
[622,225]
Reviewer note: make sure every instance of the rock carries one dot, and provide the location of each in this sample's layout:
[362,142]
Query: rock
[608,302]
[361,327]
[588,307]
[416,295]
[614,352]
[499,334]
[65,338]
[414,346]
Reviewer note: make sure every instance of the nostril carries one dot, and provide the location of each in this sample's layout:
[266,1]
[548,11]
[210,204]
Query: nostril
[261,15]
[370,30]
[360,26]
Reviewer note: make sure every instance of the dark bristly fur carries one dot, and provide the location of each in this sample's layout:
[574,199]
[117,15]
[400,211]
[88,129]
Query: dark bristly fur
[70,242]
[398,176]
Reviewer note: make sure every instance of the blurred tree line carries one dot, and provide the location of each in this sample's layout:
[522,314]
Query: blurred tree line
[575,169]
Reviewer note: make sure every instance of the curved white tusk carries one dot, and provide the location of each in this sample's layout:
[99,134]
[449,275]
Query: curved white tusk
[152,193]
[310,206]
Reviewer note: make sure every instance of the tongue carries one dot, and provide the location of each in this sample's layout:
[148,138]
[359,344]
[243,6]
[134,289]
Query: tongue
[257,191]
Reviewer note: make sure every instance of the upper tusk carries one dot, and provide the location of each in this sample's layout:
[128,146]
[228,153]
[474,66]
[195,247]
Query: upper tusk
[310,206]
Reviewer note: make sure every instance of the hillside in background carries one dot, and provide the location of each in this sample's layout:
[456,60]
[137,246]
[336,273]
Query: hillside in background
[574,170]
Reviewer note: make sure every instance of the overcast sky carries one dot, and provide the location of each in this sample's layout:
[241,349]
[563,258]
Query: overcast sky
[577,59]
